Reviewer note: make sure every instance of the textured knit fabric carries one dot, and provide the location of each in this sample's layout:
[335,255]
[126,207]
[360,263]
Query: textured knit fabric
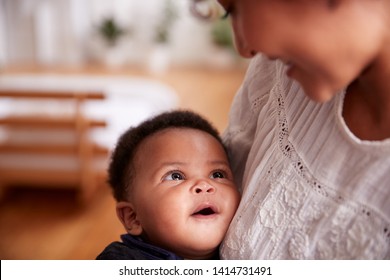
[134,248]
[310,188]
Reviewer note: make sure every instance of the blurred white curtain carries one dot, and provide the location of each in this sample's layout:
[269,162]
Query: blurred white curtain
[60,28]
[45,31]
[3,47]
[61,32]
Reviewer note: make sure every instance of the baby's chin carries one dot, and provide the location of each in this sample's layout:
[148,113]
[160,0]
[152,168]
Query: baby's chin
[200,249]
[201,254]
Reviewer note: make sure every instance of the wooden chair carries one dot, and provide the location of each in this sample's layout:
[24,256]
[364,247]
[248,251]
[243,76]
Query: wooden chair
[86,177]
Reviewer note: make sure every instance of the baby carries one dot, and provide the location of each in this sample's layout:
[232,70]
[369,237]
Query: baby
[174,188]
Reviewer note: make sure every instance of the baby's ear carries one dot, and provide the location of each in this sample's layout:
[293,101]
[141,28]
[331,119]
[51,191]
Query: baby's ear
[127,215]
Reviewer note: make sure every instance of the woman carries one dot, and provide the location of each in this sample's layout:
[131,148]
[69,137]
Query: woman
[309,131]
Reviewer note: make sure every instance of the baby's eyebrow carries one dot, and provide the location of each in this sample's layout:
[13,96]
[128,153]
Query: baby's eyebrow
[167,165]
[219,162]
[172,163]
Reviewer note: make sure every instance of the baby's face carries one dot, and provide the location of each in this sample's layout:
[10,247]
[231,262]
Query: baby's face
[184,195]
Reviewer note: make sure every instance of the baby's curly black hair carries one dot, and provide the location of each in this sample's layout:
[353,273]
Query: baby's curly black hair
[121,170]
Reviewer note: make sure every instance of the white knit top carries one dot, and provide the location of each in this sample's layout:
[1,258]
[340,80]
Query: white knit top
[310,188]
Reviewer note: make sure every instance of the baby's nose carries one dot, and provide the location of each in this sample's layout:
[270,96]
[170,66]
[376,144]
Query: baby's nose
[203,187]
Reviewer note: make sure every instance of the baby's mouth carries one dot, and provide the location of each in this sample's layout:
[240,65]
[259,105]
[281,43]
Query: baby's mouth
[204,211]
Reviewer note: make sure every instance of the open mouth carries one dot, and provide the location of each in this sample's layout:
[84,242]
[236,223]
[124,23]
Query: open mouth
[205,212]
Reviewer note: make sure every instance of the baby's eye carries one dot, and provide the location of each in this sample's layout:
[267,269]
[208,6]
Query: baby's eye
[218,174]
[174,176]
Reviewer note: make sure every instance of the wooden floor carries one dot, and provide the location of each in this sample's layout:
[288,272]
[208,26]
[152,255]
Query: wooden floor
[50,224]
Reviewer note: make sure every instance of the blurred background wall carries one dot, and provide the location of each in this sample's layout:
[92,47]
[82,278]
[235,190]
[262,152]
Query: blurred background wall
[79,44]
[116,32]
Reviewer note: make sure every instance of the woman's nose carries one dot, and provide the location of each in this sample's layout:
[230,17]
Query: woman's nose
[243,49]
[203,187]
[240,43]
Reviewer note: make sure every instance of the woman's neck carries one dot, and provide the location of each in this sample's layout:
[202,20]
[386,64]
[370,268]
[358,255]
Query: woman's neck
[367,101]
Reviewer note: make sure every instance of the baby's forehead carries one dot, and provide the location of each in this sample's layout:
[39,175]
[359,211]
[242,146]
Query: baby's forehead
[177,131]
[176,134]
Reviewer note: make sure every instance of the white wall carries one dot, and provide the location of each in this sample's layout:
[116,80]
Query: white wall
[3,47]
[63,32]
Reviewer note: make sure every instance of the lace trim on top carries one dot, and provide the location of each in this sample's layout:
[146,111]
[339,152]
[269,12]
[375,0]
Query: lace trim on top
[287,213]
[359,232]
